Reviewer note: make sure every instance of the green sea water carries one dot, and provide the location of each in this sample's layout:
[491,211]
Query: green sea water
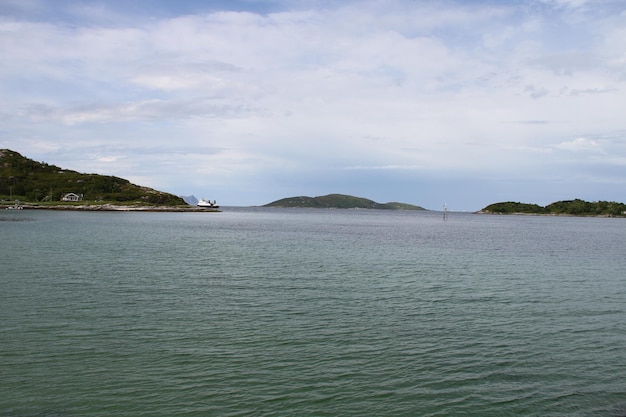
[272,312]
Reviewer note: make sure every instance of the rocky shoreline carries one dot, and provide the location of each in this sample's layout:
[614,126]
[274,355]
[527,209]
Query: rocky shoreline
[112,207]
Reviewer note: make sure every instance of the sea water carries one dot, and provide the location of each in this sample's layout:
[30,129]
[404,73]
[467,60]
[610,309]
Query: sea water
[278,312]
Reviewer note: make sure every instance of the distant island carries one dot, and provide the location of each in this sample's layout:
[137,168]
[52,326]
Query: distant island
[339,201]
[35,184]
[575,207]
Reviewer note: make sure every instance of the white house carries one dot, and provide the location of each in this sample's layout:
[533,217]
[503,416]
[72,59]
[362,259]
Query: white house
[72,197]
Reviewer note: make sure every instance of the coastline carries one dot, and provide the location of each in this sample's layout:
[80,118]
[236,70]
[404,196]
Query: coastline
[113,207]
[549,214]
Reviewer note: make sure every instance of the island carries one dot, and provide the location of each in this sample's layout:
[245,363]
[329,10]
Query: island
[339,201]
[28,184]
[575,207]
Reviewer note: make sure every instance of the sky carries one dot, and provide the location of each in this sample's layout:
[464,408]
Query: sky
[457,102]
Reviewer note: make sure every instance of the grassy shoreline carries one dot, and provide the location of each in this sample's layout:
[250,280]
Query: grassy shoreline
[109,207]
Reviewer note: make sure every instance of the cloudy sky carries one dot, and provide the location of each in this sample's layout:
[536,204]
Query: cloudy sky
[464,102]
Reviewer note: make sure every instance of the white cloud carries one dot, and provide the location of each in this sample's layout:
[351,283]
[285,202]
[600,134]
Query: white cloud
[108,158]
[581,145]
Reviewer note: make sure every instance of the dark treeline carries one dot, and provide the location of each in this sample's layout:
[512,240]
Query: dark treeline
[575,207]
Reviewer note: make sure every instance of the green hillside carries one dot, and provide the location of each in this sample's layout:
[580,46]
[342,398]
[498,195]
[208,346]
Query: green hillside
[31,181]
[339,201]
[567,207]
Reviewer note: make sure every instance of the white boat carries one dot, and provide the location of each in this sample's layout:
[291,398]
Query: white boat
[207,203]
[16,206]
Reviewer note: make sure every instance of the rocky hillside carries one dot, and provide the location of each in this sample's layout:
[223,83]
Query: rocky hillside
[27,180]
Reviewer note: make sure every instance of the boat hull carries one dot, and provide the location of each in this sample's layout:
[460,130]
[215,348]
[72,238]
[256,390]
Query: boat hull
[207,204]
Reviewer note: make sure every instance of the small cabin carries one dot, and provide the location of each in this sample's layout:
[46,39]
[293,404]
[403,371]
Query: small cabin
[72,197]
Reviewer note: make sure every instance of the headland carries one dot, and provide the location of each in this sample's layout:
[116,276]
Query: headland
[110,207]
